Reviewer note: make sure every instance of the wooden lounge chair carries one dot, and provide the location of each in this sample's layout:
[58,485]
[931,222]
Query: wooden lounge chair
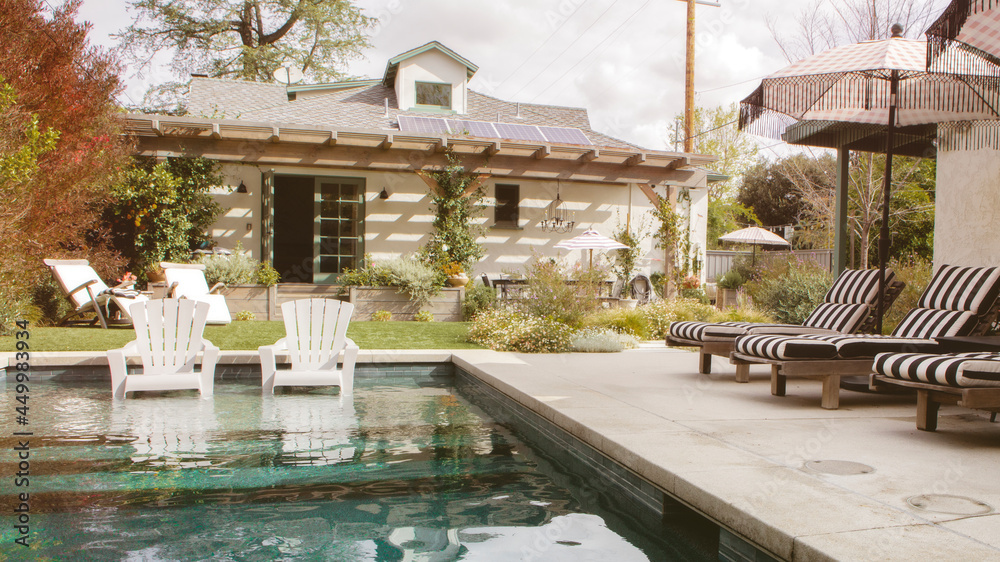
[315,336]
[959,301]
[971,380]
[847,308]
[168,340]
[88,294]
[187,281]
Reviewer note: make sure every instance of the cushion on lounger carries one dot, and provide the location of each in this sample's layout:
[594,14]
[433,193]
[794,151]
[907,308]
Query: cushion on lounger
[845,318]
[695,331]
[857,287]
[785,347]
[926,323]
[962,370]
[857,346]
[962,288]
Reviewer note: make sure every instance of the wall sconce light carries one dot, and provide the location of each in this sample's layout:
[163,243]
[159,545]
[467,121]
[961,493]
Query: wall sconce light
[242,188]
[384,194]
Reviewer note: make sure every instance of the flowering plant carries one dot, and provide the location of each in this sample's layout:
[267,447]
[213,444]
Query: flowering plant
[452,269]
[127,280]
[691,282]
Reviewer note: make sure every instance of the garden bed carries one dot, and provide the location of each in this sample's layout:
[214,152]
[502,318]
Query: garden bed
[446,306]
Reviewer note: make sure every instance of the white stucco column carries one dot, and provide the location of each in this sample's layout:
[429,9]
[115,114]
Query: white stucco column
[967,209]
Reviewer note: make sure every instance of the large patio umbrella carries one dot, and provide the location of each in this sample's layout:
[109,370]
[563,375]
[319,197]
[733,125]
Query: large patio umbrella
[591,240]
[965,26]
[870,83]
[756,236]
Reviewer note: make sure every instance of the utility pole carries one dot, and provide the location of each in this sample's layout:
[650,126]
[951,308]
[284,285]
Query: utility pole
[689,75]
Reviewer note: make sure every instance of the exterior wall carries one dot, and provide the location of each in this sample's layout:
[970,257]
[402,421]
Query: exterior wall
[699,227]
[401,224]
[431,66]
[965,214]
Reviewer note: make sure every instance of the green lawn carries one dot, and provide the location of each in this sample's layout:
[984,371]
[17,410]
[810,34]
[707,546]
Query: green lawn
[250,335]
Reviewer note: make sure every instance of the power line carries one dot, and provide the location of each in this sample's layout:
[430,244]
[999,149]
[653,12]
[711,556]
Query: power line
[731,85]
[557,57]
[542,44]
[586,56]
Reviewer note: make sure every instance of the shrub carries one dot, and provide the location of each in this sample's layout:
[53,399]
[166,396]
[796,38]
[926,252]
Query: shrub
[381,316]
[423,316]
[916,272]
[234,269]
[552,297]
[659,314]
[244,315]
[731,279]
[790,289]
[411,275]
[507,329]
[267,275]
[592,340]
[695,294]
[478,297]
[630,321]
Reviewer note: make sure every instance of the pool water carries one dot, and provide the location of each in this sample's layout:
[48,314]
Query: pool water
[406,470]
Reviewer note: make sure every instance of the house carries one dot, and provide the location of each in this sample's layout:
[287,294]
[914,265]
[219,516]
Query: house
[320,175]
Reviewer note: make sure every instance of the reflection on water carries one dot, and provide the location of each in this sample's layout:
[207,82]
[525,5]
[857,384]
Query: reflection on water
[401,471]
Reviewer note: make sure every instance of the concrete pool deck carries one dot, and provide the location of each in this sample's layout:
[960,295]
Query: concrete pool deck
[737,454]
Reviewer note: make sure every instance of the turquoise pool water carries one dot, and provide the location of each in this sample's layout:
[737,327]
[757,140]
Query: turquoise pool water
[406,470]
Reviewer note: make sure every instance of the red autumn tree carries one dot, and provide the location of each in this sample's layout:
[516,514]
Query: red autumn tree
[57,84]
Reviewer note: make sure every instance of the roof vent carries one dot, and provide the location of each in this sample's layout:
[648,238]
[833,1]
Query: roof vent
[518,116]
[198,75]
[386,107]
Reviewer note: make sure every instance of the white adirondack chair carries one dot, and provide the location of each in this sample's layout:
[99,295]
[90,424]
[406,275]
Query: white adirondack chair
[315,334]
[187,281]
[168,339]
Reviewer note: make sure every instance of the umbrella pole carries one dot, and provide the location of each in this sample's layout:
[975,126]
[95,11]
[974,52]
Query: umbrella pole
[883,237]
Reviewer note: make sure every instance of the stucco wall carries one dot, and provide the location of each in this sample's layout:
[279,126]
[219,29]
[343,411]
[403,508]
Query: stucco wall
[401,224]
[431,66]
[967,208]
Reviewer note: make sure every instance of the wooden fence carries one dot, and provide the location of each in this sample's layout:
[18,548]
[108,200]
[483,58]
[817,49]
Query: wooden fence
[718,262]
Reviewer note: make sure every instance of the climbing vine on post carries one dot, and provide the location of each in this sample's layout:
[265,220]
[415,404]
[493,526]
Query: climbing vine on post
[457,200]
[674,236]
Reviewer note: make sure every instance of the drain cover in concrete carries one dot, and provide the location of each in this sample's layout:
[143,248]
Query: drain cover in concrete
[953,505]
[840,468]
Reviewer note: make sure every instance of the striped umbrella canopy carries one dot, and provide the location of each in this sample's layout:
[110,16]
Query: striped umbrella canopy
[591,240]
[884,82]
[754,235]
[966,26]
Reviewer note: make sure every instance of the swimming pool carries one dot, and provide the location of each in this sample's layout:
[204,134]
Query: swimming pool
[408,469]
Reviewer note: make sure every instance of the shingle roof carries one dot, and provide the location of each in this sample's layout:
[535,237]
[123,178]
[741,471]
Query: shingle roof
[363,107]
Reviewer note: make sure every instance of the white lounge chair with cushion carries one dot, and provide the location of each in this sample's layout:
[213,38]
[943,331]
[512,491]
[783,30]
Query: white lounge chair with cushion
[87,293]
[846,309]
[187,281]
[958,301]
[315,336]
[971,380]
[168,339]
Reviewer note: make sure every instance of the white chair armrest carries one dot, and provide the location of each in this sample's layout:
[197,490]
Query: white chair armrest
[268,363]
[217,287]
[350,343]
[118,361]
[172,289]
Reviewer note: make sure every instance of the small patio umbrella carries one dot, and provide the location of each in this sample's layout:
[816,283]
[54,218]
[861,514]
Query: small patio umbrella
[591,240]
[965,26]
[872,83]
[755,236]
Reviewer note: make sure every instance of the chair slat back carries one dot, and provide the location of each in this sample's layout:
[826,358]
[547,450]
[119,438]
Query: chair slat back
[316,331]
[191,282]
[857,286]
[169,334]
[70,274]
[972,289]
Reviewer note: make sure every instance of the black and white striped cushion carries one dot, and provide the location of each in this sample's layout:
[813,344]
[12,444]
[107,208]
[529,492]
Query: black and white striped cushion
[926,323]
[856,346]
[962,288]
[858,286]
[845,318]
[694,330]
[731,330]
[785,347]
[962,370]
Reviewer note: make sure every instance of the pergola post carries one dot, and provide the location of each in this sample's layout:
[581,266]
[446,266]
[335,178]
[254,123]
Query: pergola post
[842,232]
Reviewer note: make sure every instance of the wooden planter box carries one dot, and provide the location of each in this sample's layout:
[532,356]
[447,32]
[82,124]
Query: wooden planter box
[726,298]
[445,306]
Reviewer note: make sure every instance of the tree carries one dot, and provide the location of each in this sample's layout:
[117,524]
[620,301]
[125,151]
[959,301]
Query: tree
[64,90]
[248,39]
[774,189]
[717,134]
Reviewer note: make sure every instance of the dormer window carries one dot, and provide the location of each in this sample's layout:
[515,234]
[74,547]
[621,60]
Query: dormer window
[433,95]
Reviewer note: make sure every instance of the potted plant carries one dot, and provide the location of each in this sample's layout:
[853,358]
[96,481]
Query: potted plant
[727,285]
[456,277]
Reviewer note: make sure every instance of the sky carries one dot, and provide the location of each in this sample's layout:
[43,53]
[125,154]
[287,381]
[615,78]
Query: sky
[623,60]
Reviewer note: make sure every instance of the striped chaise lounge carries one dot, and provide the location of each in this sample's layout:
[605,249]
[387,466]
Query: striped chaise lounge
[971,380]
[958,301]
[846,309]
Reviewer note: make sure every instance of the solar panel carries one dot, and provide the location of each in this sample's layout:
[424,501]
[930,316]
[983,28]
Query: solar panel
[519,132]
[412,124]
[564,135]
[472,128]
